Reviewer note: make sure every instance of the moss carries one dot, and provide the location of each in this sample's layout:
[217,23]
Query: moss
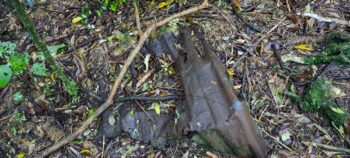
[337,49]
[215,140]
[336,114]
[320,98]
[316,96]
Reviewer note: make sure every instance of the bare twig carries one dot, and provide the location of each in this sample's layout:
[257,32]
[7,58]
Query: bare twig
[137,16]
[144,78]
[143,109]
[127,63]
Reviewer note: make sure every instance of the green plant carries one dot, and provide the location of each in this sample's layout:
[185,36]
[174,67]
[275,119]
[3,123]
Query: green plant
[111,5]
[85,13]
[68,84]
[5,75]
[16,62]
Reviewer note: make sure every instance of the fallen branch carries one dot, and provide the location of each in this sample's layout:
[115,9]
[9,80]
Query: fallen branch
[131,98]
[126,65]
[326,19]
[325,146]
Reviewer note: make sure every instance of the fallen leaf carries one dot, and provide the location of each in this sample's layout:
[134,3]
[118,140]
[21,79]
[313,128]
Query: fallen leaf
[156,108]
[230,72]
[84,151]
[170,70]
[237,4]
[303,47]
[20,155]
[164,4]
[77,20]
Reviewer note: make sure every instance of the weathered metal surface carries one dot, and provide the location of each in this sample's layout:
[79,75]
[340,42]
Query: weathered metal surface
[212,101]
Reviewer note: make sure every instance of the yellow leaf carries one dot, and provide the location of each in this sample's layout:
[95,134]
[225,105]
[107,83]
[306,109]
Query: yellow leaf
[84,151]
[230,72]
[77,19]
[21,155]
[163,4]
[303,47]
[53,77]
[171,70]
[156,108]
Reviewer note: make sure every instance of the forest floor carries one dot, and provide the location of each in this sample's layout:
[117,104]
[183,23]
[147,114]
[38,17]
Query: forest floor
[35,111]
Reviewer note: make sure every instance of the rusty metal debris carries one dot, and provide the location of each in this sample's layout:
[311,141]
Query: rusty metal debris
[215,110]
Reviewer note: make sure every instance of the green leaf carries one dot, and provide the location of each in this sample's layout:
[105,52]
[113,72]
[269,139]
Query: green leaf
[156,108]
[17,62]
[5,75]
[18,97]
[90,112]
[54,49]
[38,69]
[7,47]
[21,155]
[98,12]
[113,7]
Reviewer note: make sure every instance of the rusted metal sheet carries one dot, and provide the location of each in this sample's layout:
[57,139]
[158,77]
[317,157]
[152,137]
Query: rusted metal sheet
[213,104]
